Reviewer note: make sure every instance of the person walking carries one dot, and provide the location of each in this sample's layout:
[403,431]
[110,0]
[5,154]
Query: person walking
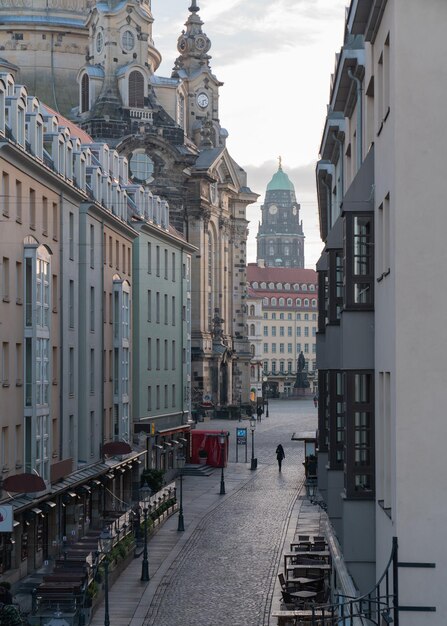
[259,413]
[280,455]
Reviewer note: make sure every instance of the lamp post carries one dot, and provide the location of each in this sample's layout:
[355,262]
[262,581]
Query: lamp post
[145,493]
[180,465]
[105,544]
[222,451]
[253,427]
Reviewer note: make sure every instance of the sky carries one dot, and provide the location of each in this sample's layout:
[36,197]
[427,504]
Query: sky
[275,58]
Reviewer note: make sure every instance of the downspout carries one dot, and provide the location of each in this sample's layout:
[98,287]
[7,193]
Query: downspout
[60,514]
[342,168]
[358,83]
[182,334]
[328,202]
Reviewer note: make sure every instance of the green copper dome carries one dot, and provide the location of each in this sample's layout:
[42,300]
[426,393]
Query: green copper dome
[280,182]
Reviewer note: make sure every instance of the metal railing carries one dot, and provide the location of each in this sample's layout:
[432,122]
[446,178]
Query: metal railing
[376,608]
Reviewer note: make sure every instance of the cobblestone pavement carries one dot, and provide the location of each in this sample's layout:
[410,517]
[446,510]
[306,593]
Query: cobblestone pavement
[225,574]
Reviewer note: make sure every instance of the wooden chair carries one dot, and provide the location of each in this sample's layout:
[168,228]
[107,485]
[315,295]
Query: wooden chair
[287,585]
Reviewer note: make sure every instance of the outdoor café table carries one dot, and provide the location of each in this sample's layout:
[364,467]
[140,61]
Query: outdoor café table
[324,567]
[304,594]
[309,555]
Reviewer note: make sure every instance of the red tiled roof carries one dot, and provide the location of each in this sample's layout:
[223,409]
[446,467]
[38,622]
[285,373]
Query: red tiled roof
[75,131]
[280,275]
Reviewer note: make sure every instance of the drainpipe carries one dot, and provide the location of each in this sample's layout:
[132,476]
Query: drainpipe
[358,83]
[329,203]
[342,168]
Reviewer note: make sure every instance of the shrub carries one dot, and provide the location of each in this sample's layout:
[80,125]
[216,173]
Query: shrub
[154,478]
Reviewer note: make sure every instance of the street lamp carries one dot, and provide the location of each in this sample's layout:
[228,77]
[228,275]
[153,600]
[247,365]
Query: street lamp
[222,451]
[180,465]
[253,427]
[105,545]
[145,494]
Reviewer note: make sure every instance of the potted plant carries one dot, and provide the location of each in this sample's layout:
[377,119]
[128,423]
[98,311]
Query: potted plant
[203,456]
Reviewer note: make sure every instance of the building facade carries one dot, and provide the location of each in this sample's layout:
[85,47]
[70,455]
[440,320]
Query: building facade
[289,325]
[377,405]
[74,227]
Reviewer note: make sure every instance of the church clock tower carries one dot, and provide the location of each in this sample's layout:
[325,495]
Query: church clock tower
[280,239]
[201,86]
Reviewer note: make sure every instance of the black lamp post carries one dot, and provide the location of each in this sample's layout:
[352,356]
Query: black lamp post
[105,544]
[180,465]
[145,494]
[222,452]
[253,427]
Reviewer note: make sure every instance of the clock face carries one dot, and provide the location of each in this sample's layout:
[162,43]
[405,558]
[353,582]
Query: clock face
[273,209]
[202,100]
[200,43]
[294,210]
[182,44]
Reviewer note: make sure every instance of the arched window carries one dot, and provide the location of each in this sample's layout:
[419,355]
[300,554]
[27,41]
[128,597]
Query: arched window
[298,302]
[85,94]
[273,301]
[314,302]
[252,369]
[255,285]
[265,301]
[289,301]
[252,309]
[252,329]
[136,89]
[304,287]
[311,287]
[306,302]
[281,302]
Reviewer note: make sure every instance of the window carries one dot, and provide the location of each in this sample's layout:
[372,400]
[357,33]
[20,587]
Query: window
[166,308]
[157,260]
[173,354]
[281,348]
[32,209]
[289,331]
[281,331]
[71,236]
[157,307]
[273,301]
[306,348]
[149,353]
[157,353]
[5,279]
[314,331]
[173,396]
[55,222]
[92,309]
[274,347]
[298,302]
[266,347]
[281,367]
[173,267]
[281,302]
[273,367]
[289,302]
[149,398]
[92,371]
[273,316]
[149,258]
[266,331]
[92,246]
[5,364]
[5,194]
[136,87]
[71,373]
[85,94]
[314,302]
[166,263]
[273,331]
[166,396]
[298,331]
[298,347]
[306,331]
[359,261]
[149,305]
[306,302]
[18,201]
[173,310]
[166,353]
[289,348]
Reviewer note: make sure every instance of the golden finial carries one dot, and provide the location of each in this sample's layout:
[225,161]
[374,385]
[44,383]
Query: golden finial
[280,163]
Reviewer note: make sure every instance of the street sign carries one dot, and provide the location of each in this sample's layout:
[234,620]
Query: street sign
[6,518]
[241,436]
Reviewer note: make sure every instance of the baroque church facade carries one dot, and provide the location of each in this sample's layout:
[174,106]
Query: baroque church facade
[170,132]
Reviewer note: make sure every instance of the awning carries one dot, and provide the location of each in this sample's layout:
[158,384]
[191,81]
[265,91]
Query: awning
[115,448]
[37,511]
[173,431]
[24,483]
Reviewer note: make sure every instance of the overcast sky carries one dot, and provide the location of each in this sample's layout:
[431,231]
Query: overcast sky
[275,58]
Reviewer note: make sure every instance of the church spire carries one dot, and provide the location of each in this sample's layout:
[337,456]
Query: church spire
[193,44]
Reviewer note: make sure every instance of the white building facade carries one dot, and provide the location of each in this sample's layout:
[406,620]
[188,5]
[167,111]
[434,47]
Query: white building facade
[380,191]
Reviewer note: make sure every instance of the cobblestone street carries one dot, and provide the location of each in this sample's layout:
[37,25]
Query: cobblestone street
[225,573]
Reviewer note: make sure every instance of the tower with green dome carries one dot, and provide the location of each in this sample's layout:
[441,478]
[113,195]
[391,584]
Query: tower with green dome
[280,238]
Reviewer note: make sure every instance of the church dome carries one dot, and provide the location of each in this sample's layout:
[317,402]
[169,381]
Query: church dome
[280,182]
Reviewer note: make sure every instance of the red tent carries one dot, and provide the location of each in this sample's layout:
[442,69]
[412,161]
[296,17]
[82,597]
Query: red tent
[208,440]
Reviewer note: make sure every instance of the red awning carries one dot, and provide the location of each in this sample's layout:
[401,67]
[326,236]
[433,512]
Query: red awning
[113,448]
[24,483]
